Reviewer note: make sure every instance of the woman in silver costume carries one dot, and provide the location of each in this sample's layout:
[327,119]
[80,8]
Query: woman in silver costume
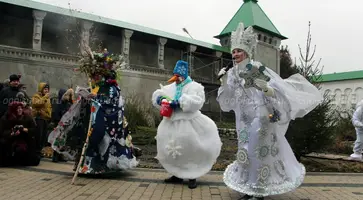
[263,104]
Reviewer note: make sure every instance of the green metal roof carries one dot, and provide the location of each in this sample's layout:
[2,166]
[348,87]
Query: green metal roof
[341,76]
[251,14]
[121,24]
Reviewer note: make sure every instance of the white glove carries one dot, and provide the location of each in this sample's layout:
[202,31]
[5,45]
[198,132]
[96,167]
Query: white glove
[268,91]
[222,72]
[261,84]
[256,63]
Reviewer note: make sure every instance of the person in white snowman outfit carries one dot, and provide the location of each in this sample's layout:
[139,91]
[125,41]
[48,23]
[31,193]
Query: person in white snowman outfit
[188,142]
[357,121]
[263,104]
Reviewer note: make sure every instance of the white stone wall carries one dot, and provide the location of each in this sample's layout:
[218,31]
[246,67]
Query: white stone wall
[269,56]
[346,93]
[268,51]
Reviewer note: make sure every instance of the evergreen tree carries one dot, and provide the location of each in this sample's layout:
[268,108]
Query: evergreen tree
[286,65]
[313,132]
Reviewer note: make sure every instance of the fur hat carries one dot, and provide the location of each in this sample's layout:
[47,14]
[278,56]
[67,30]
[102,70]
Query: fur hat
[68,95]
[14,77]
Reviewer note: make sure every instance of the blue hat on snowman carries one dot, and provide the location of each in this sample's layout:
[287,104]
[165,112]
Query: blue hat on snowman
[180,70]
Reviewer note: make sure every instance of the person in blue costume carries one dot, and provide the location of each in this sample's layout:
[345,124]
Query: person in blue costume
[188,142]
[109,147]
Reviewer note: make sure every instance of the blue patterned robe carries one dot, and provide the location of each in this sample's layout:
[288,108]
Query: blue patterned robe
[109,147]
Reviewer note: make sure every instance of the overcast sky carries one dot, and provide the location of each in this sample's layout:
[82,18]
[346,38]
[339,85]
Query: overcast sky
[336,30]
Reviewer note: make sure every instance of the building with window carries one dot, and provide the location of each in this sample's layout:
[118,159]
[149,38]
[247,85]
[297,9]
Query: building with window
[42,41]
[346,88]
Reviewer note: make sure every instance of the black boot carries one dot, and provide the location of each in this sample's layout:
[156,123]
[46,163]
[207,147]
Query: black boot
[61,158]
[33,160]
[245,197]
[55,157]
[173,179]
[192,183]
[257,198]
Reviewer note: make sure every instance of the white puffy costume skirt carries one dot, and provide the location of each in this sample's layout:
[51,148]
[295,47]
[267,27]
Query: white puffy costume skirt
[188,142]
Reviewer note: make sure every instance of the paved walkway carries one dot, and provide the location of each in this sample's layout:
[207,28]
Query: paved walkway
[333,157]
[52,181]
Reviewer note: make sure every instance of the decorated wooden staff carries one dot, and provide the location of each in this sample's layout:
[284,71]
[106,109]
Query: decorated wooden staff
[88,72]
[89,133]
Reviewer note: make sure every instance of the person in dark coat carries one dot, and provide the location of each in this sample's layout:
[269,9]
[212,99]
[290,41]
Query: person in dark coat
[17,137]
[5,84]
[8,94]
[65,101]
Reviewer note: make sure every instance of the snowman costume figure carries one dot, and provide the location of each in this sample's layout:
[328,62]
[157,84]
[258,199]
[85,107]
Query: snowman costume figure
[265,163]
[357,120]
[188,142]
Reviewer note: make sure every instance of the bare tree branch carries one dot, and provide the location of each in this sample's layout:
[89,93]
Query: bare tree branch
[72,33]
[308,67]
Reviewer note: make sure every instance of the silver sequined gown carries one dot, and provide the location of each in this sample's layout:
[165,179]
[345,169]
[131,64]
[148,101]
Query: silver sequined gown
[265,164]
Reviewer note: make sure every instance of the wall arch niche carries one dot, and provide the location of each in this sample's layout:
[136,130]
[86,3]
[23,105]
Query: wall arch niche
[358,94]
[347,98]
[337,96]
